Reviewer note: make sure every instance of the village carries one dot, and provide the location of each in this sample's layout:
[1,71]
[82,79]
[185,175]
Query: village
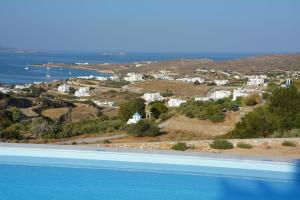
[148,104]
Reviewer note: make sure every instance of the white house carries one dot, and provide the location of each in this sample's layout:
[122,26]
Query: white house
[150,97]
[243,92]
[82,92]
[63,88]
[162,77]
[221,82]
[114,78]
[191,80]
[135,119]
[175,102]
[21,87]
[202,98]
[256,81]
[132,77]
[104,103]
[87,77]
[4,90]
[220,94]
[101,78]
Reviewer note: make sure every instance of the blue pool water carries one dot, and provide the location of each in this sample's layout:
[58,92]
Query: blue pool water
[20,180]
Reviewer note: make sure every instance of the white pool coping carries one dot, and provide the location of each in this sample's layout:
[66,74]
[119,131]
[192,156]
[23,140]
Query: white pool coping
[247,164]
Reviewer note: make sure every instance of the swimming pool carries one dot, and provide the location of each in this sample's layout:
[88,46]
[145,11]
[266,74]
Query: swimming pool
[32,173]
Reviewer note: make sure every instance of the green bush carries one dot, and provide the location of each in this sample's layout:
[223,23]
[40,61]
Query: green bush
[114,84]
[244,145]
[288,144]
[158,108]
[167,93]
[279,115]
[180,146]
[252,99]
[143,128]
[166,116]
[127,109]
[221,144]
[211,110]
[10,134]
[294,133]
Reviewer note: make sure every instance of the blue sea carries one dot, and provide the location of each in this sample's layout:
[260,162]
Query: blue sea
[12,64]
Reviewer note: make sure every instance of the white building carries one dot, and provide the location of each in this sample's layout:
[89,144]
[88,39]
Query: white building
[191,80]
[21,87]
[135,119]
[202,98]
[87,77]
[63,88]
[82,92]
[132,77]
[4,90]
[114,78]
[221,82]
[101,78]
[256,81]
[104,103]
[150,97]
[220,94]
[175,102]
[243,92]
[162,77]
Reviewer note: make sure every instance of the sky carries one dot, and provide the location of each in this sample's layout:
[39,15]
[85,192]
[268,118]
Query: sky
[151,25]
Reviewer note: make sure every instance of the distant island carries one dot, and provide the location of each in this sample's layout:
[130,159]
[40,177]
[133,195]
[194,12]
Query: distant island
[16,50]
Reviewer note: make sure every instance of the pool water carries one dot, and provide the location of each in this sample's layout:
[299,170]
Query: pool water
[35,182]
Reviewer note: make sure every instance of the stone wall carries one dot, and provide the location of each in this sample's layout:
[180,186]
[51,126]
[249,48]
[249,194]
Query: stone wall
[204,144]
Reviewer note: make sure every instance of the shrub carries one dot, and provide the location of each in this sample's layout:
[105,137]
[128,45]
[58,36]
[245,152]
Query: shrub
[280,114]
[180,146]
[286,134]
[210,110]
[114,84]
[166,116]
[244,145]
[158,108]
[167,93]
[127,109]
[107,141]
[288,144]
[196,83]
[252,99]
[143,128]
[10,134]
[71,91]
[221,144]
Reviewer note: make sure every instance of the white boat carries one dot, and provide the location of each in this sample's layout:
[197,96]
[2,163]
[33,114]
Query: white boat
[26,68]
[48,76]
[48,68]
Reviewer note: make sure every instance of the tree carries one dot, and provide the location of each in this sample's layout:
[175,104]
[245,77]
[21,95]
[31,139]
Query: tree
[127,109]
[71,91]
[15,114]
[196,83]
[252,99]
[258,123]
[167,93]
[143,128]
[44,129]
[158,108]
[280,113]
